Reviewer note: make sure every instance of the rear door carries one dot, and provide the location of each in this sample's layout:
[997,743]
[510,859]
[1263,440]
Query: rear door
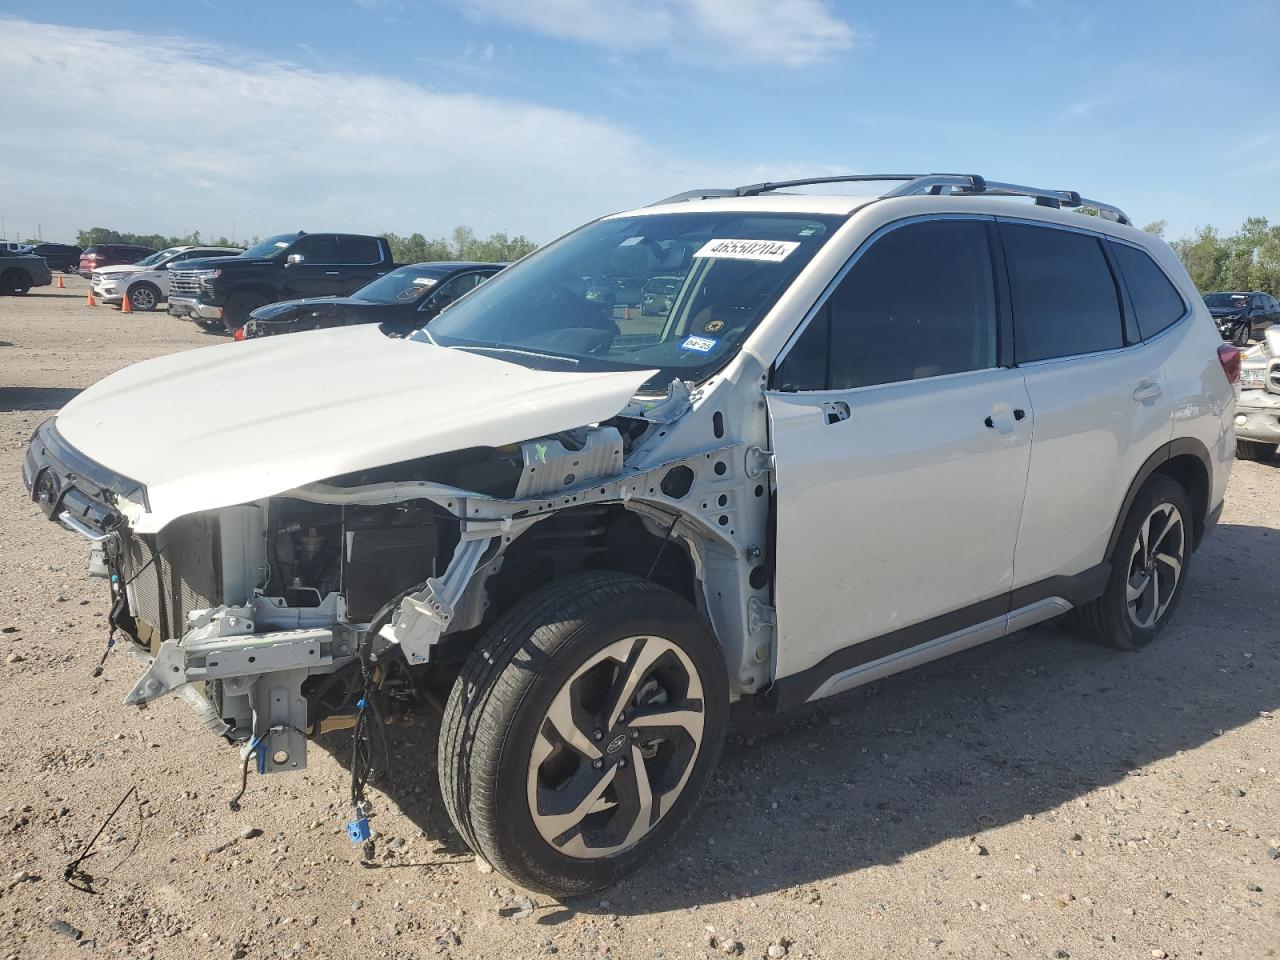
[318,273]
[362,261]
[901,442]
[1098,396]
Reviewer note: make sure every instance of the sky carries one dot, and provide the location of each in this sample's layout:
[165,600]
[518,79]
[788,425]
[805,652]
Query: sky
[532,116]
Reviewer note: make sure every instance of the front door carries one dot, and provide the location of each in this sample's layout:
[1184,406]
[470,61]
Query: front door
[901,446]
[317,273]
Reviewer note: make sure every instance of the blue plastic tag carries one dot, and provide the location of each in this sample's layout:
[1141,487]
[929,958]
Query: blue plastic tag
[699,344]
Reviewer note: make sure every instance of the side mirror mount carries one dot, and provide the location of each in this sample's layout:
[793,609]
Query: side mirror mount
[293,258]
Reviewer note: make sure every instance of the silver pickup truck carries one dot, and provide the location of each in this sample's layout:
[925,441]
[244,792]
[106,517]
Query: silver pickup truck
[1258,409]
[19,272]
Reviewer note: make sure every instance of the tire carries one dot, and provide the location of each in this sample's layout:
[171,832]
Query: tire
[238,308]
[1135,607]
[505,763]
[1242,335]
[71,268]
[15,282]
[144,297]
[1255,450]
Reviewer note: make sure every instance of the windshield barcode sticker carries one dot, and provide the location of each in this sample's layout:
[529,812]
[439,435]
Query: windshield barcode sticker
[699,344]
[771,251]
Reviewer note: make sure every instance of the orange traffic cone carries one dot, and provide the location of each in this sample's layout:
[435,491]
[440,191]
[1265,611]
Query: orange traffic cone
[61,285]
[89,301]
[125,305]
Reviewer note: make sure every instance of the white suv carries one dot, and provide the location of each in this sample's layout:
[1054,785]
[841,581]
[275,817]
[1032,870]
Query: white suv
[146,283]
[868,432]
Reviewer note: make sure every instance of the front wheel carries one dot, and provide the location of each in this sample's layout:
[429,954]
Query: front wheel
[1148,569]
[239,305]
[582,731]
[15,282]
[1253,450]
[144,297]
[1243,334]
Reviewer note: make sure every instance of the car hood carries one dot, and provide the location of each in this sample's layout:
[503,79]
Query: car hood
[209,263]
[222,425]
[116,268]
[289,308]
[1226,311]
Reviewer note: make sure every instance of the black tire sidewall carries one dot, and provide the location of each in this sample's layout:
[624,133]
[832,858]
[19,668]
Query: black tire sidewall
[655,612]
[1159,489]
[1243,335]
[155,294]
[239,306]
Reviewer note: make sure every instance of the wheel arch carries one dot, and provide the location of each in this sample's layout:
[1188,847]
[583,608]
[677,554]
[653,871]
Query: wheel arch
[1184,460]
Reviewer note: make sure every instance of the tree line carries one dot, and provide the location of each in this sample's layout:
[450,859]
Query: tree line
[461,244]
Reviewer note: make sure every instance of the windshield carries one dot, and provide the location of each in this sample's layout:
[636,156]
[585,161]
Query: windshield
[160,257]
[1226,299]
[399,286]
[577,304]
[270,246]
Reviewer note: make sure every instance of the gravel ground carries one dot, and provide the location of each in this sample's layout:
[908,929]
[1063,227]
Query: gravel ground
[1036,797]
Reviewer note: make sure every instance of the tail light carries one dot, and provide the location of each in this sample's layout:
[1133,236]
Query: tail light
[239,335]
[1229,357]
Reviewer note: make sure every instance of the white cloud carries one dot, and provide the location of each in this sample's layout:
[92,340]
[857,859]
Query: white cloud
[181,136]
[712,33]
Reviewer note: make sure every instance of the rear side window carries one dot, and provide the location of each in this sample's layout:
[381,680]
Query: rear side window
[360,250]
[1156,301]
[1065,301]
[919,303]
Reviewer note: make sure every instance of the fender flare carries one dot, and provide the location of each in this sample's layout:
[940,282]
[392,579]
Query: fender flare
[1182,446]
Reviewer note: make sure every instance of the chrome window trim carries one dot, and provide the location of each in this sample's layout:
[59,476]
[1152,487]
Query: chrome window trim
[849,264]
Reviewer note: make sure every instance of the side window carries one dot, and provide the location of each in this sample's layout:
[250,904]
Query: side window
[317,248]
[1155,299]
[360,250]
[453,289]
[919,303]
[1065,300]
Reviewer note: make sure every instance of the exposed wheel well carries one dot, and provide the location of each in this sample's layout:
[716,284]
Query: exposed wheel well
[591,537]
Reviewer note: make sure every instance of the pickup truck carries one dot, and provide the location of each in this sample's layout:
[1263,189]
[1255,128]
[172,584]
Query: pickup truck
[19,272]
[221,293]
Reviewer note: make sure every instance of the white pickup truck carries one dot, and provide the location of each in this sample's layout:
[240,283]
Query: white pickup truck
[146,282]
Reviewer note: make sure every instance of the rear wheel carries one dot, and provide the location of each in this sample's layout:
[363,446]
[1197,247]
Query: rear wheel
[1148,569]
[144,297]
[15,282]
[582,731]
[1254,450]
[1243,334]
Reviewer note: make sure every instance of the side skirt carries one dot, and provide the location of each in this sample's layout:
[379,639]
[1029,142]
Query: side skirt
[920,643]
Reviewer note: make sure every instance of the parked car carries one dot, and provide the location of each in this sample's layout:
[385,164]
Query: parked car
[99,255]
[818,472]
[19,272]
[1258,408]
[146,283]
[658,295]
[286,267]
[14,246]
[59,256]
[1241,316]
[402,300]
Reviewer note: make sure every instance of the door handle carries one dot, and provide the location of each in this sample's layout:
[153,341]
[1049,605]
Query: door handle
[1147,390]
[835,411]
[1002,417]
[332,273]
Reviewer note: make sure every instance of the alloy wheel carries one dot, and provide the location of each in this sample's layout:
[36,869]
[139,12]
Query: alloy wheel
[142,298]
[1155,565]
[616,747]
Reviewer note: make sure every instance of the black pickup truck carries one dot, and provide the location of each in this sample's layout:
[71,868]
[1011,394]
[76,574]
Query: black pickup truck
[222,293]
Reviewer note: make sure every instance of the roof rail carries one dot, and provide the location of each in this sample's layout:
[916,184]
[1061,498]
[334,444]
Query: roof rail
[926,184]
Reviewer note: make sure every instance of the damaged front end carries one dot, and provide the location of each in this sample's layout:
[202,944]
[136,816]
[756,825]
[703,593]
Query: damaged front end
[276,620]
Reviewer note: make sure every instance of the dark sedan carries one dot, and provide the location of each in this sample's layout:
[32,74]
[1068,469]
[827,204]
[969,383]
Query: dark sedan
[402,300]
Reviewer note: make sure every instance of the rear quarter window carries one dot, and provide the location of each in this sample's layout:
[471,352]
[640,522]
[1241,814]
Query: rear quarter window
[1156,301]
[1065,300]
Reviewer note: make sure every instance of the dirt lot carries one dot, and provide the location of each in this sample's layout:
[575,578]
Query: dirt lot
[1037,797]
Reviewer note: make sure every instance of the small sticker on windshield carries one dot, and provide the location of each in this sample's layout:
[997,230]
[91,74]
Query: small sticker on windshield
[425,281]
[699,344]
[770,251]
